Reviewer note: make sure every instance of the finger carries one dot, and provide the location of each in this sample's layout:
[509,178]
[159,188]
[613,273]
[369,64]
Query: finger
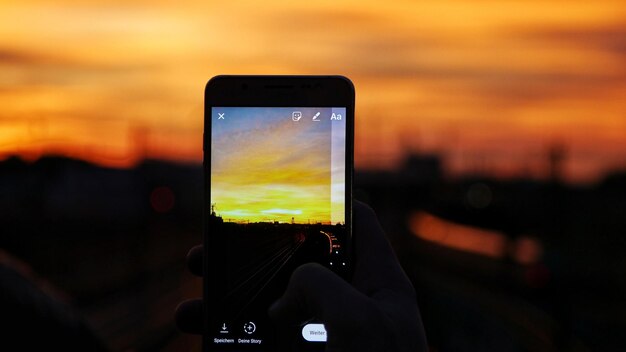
[377,272]
[189,316]
[194,260]
[316,292]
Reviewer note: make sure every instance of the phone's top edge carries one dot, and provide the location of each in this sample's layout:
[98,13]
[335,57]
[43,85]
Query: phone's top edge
[277,76]
[218,78]
[228,86]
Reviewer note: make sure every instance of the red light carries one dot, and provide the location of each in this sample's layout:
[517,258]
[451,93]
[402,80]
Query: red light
[162,199]
[537,276]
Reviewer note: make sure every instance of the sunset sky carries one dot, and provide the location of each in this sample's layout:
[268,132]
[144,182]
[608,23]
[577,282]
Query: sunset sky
[490,86]
[267,167]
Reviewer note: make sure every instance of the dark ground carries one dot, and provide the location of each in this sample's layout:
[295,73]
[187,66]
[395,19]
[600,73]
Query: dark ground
[112,245]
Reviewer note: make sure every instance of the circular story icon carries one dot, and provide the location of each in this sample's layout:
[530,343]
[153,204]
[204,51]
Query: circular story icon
[249,327]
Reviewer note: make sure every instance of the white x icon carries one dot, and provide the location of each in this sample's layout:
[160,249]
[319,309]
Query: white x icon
[220,115]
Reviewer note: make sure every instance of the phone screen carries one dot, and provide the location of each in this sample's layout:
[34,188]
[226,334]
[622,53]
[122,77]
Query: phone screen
[277,192]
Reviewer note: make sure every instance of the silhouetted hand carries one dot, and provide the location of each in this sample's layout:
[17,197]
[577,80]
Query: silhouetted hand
[376,312]
[189,312]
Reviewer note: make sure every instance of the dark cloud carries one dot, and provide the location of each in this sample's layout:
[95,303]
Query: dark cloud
[371,46]
[311,19]
[13,56]
[610,38]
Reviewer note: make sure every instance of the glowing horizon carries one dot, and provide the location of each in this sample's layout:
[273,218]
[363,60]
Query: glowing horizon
[490,87]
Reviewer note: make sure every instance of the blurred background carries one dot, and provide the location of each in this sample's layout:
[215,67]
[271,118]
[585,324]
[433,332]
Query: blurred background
[490,139]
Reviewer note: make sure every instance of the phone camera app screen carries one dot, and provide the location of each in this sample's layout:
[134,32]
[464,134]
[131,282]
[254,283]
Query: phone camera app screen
[278,200]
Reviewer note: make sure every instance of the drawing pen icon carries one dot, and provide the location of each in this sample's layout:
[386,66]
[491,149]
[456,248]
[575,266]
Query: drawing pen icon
[315,117]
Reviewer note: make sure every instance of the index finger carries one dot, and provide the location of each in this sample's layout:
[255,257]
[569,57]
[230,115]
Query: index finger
[377,271]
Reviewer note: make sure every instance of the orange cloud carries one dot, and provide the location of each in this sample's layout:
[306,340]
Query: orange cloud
[455,78]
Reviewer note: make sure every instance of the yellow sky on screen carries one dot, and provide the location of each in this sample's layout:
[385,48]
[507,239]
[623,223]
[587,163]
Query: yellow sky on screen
[266,167]
[488,86]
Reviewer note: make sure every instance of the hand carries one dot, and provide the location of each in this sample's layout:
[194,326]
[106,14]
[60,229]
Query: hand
[189,312]
[376,312]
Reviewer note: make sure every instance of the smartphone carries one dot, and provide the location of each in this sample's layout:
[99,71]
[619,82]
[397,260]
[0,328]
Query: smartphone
[278,162]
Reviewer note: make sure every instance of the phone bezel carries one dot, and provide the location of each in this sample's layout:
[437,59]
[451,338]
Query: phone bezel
[275,91]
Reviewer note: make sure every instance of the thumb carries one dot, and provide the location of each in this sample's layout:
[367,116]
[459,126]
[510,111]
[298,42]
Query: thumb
[316,292]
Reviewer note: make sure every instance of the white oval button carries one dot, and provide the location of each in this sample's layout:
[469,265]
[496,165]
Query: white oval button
[314,332]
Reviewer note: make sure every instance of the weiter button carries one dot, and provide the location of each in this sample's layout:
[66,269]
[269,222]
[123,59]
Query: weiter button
[314,332]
